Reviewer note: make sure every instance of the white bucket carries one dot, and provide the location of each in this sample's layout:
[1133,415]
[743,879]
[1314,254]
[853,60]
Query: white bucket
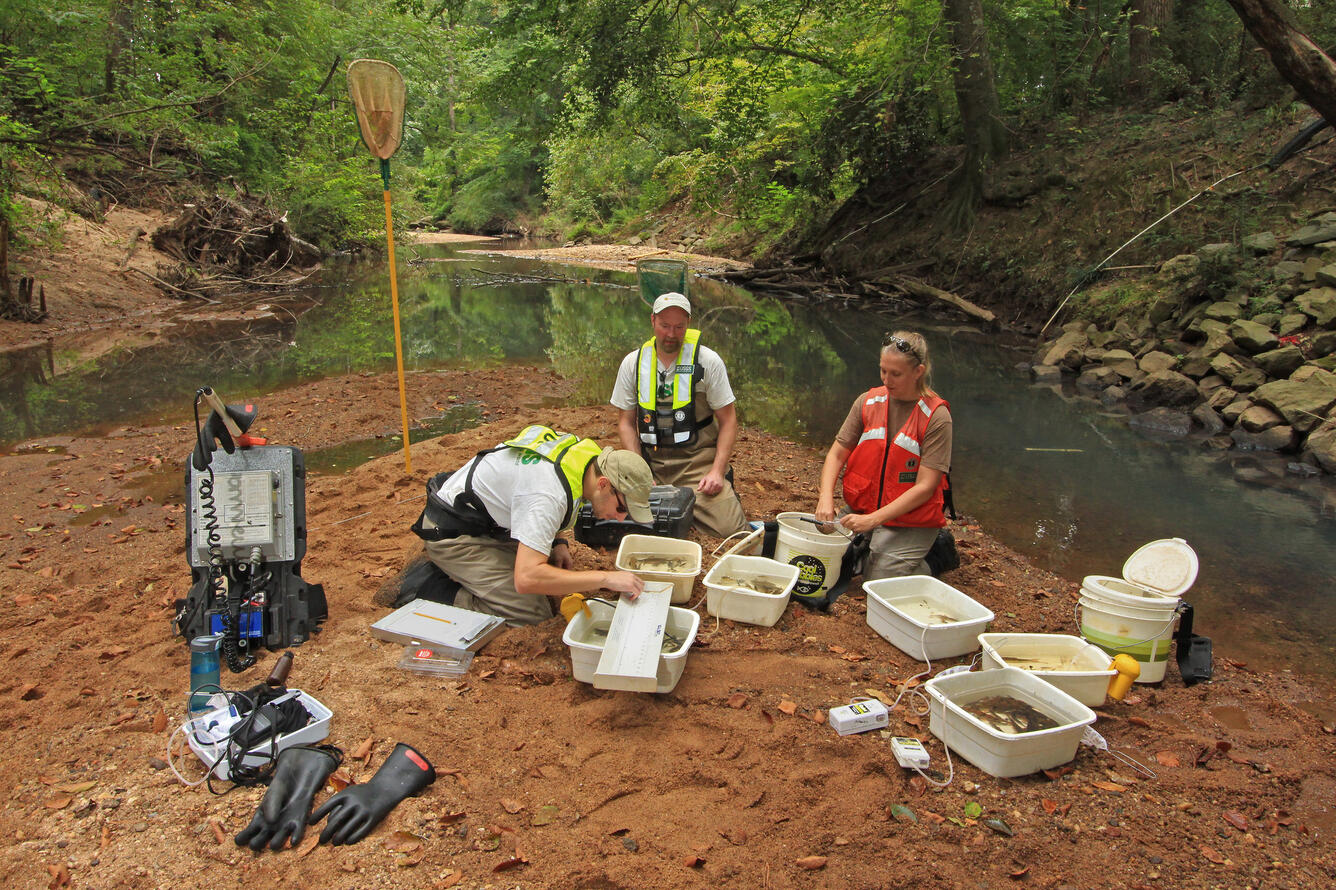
[816,554]
[1144,632]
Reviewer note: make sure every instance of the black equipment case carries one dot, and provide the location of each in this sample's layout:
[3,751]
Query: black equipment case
[674,508]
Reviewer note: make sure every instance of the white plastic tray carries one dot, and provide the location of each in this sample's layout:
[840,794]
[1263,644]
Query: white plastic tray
[889,598]
[214,754]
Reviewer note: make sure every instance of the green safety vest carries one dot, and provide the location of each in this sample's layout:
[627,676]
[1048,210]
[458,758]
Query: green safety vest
[682,409]
[567,451]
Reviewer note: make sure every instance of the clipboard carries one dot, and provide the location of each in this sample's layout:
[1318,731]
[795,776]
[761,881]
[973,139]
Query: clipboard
[436,624]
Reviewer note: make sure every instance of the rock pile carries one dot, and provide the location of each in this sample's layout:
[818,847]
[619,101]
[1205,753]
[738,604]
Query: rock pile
[1238,344]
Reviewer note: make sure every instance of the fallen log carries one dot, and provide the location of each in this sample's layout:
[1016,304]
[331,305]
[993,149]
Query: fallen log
[922,289]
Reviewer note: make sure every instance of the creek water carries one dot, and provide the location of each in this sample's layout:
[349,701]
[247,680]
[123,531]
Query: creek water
[1055,477]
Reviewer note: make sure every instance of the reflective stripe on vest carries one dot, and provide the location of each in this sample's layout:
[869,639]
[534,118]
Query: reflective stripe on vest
[566,451]
[683,393]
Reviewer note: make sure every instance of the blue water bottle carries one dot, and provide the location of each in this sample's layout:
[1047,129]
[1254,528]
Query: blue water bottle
[203,671]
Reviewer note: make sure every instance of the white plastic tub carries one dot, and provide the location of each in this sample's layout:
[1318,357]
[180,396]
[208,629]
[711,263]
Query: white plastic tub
[214,753]
[749,606]
[1078,668]
[682,581]
[586,648]
[998,753]
[901,610]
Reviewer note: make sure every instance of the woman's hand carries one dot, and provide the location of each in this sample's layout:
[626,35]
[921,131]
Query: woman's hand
[859,522]
[825,508]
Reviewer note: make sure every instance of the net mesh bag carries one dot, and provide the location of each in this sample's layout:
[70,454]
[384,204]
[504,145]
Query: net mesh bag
[378,93]
[661,276]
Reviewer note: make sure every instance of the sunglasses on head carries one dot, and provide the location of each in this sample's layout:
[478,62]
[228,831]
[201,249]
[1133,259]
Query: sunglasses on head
[902,345]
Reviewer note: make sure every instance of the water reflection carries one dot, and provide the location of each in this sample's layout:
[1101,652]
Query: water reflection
[1058,479]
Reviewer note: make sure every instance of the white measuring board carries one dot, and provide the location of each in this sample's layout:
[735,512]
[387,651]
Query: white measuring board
[630,659]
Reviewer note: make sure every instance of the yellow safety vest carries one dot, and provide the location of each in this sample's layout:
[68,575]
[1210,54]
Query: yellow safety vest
[567,451]
[682,408]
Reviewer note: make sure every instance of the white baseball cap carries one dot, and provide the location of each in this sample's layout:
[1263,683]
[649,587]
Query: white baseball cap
[672,298]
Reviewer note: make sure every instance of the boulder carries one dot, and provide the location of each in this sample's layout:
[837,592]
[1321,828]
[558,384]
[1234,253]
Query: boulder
[1311,265]
[1162,422]
[1067,351]
[1323,343]
[1120,360]
[1113,396]
[1311,234]
[1287,270]
[1259,418]
[1157,361]
[1326,275]
[1322,445]
[1282,362]
[1123,330]
[1306,371]
[1220,251]
[1179,268]
[1291,323]
[1165,308]
[1046,374]
[1216,342]
[1195,367]
[1097,378]
[1318,304]
[1253,337]
[1303,404]
[1262,242]
[1165,388]
[1248,379]
[1231,412]
[1220,397]
[1209,421]
[1227,366]
[1277,438]
[1224,310]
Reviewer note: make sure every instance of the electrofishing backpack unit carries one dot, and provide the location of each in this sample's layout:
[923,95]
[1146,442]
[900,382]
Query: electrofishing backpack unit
[245,540]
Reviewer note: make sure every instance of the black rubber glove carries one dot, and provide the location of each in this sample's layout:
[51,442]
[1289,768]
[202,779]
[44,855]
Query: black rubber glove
[215,433]
[357,809]
[300,773]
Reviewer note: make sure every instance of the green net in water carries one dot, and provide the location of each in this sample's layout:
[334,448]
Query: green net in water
[661,277]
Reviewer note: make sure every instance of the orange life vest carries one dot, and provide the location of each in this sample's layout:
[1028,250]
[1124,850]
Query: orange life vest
[878,472]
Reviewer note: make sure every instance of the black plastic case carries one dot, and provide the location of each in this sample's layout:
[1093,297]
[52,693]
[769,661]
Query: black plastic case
[674,508]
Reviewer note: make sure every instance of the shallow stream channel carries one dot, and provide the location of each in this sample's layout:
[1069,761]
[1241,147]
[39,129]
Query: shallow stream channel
[1052,475]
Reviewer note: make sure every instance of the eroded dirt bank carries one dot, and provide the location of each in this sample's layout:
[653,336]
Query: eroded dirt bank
[725,782]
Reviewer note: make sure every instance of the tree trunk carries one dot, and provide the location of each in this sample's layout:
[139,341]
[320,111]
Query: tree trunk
[1299,60]
[1148,18]
[118,38]
[976,97]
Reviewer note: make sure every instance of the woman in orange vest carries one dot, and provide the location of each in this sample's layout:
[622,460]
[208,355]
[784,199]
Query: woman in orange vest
[895,451]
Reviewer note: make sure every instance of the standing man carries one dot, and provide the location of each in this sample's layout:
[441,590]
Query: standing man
[677,409]
[492,525]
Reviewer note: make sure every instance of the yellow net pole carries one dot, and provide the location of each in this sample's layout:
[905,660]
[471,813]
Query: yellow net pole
[398,340]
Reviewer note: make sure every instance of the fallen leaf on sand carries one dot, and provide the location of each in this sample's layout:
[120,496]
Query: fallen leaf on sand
[449,880]
[1235,818]
[1050,806]
[403,842]
[1167,758]
[308,845]
[513,862]
[218,834]
[160,721]
[545,815]
[788,707]
[1139,721]
[30,692]
[339,779]
[60,876]
[693,861]
[452,817]
[737,700]
[817,716]
[1018,872]
[1108,786]
[1213,856]
[811,863]
[512,806]
[59,802]
[363,751]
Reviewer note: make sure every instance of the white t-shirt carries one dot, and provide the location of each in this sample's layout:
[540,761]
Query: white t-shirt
[714,388]
[526,498]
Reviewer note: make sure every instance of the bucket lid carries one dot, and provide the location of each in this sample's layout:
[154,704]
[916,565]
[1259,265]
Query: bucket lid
[1168,566]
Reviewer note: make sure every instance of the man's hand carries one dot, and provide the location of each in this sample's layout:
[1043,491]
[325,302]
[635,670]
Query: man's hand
[859,522]
[624,582]
[561,555]
[711,483]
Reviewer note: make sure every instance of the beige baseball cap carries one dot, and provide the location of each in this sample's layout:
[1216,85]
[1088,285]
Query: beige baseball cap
[630,475]
[672,298]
